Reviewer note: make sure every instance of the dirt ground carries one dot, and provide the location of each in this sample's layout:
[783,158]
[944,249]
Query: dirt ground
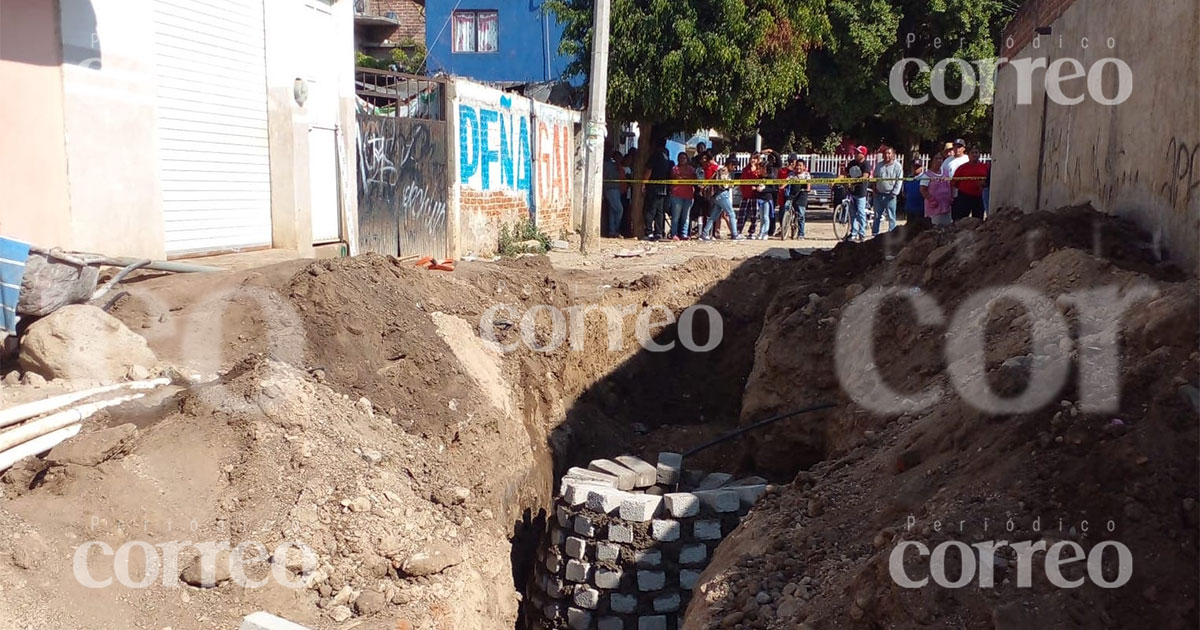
[408,425]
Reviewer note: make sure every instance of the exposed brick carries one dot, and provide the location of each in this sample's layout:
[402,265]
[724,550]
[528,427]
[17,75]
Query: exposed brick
[714,481]
[591,475]
[626,479]
[647,473]
[639,507]
[620,532]
[620,603]
[608,578]
[553,563]
[720,501]
[669,466]
[693,554]
[651,580]
[655,622]
[575,491]
[682,504]
[607,552]
[749,495]
[666,531]
[586,597]
[667,603]
[647,558]
[610,623]
[605,500]
[584,526]
[576,547]
[552,610]
[564,517]
[578,571]
[688,579]
[706,530]
[578,619]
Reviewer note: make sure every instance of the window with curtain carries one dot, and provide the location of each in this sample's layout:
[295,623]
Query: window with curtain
[475,31]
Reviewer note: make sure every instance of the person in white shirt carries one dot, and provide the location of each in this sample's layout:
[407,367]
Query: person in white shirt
[957,158]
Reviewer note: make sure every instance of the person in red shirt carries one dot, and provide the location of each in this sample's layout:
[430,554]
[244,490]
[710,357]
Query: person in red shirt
[748,212]
[681,198]
[968,181]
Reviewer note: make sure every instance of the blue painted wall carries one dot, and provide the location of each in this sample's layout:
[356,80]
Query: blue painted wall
[522,42]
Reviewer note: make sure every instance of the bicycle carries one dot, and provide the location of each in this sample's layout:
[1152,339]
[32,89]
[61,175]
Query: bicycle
[843,217]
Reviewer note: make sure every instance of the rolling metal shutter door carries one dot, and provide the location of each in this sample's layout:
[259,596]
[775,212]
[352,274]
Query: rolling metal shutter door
[212,124]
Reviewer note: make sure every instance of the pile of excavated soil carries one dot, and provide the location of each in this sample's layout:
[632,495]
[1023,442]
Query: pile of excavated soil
[869,476]
[353,407]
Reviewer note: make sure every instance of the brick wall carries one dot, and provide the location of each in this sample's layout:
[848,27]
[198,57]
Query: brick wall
[483,213]
[410,13]
[1033,14]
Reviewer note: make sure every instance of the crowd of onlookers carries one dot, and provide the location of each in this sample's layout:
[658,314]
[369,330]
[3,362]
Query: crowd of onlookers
[953,186]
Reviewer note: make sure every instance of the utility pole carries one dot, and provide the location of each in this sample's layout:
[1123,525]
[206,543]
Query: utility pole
[593,172]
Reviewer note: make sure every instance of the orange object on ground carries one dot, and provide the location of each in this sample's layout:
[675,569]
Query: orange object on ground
[424,262]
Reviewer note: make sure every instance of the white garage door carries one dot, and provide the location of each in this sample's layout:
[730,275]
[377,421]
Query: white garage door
[212,124]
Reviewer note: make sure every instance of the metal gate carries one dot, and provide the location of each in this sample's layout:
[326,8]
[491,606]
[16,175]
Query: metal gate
[402,164]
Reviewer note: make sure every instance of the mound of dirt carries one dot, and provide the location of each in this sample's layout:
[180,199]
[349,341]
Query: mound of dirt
[922,455]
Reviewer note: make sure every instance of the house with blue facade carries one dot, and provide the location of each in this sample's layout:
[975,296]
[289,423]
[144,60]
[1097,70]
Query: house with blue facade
[494,40]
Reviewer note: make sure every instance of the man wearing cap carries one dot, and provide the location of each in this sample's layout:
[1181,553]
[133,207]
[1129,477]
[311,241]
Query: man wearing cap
[857,168]
[969,201]
[957,157]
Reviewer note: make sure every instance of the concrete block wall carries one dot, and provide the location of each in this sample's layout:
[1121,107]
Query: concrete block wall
[628,541]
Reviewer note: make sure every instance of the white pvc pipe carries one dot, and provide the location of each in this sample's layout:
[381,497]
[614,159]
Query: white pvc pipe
[13,415]
[37,445]
[53,422]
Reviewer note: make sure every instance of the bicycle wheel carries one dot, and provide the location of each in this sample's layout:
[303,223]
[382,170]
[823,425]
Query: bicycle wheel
[841,220]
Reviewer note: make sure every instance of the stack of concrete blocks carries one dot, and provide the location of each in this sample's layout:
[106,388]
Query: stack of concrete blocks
[628,540]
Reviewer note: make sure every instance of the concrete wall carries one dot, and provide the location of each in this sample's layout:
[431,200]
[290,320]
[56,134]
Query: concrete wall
[513,159]
[34,205]
[111,142]
[1138,159]
[527,42]
[291,56]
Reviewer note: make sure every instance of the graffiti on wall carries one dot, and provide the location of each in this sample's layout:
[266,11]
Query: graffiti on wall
[555,151]
[1183,180]
[494,148]
[402,186]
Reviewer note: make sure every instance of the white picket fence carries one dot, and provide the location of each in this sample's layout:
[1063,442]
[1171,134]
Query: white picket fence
[830,162]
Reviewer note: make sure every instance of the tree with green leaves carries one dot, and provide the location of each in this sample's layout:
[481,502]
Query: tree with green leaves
[681,65]
[848,77]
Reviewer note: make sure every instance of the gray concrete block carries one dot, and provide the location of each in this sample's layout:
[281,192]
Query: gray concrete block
[646,472]
[620,532]
[578,571]
[553,611]
[667,603]
[691,555]
[607,578]
[578,619]
[267,621]
[553,563]
[669,465]
[706,530]
[692,478]
[607,552]
[714,481]
[576,548]
[610,623]
[563,516]
[749,495]
[605,500]
[647,558]
[720,501]
[583,474]
[555,587]
[665,530]
[688,579]
[651,580]
[639,507]
[585,526]
[586,597]
[575,492]
[626,479]
[681,504]
[621,603]
[557,537]
[655,622]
